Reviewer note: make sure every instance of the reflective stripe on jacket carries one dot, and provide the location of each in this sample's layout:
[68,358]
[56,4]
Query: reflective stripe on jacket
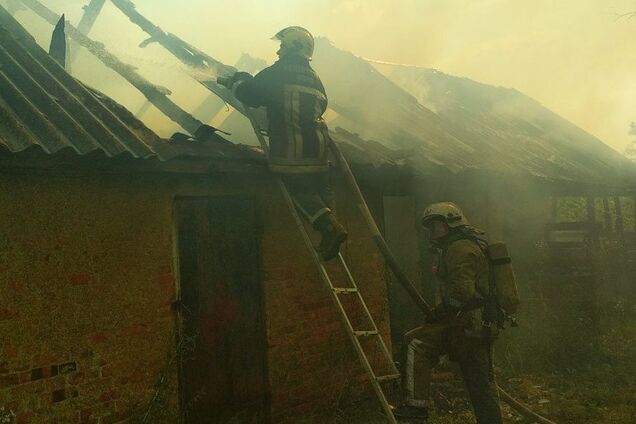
[295,100]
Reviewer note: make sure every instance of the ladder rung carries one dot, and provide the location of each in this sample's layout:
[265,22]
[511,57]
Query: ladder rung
[388,377]
[365,333]
[344,290]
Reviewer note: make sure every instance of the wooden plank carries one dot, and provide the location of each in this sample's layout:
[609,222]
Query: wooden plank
[591,210]
[91,13]
[85,25]
[401,236]
[620,225]
[607,215]
[224,379]
[183,51]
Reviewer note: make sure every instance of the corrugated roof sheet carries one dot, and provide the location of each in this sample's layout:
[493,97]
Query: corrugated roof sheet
[42,105]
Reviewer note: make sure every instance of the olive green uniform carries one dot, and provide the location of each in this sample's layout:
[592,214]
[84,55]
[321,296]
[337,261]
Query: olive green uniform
[464,281]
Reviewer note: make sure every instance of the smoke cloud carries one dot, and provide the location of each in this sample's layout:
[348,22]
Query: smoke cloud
[574,57]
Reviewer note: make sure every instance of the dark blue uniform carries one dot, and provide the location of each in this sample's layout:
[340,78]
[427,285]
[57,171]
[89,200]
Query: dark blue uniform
[295,100]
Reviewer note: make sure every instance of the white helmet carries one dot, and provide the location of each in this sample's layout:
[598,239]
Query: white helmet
[296,39]
[445,211]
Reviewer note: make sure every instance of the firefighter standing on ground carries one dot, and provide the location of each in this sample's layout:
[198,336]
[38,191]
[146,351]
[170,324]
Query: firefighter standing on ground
[295,100]
[460,327]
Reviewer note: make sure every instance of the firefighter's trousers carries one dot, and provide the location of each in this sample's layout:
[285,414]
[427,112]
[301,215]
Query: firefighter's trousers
[422,349]
[312,194]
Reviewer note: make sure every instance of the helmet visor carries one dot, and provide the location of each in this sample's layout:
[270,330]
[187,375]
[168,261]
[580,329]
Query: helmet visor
[435,229]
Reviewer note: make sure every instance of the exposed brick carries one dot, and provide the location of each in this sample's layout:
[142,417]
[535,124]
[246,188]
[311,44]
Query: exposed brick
[25,376]
[109,394]
[80,279]
[9,380]
[58,395]
[164,280]
[136,330]
[47,358]
[86,416]
[75,378]
[14,406]
[24,417]
[67,368]
[7,314]
[46,372]
[10,352]
[99,337]
[37,374]
[304,340]
[106,371]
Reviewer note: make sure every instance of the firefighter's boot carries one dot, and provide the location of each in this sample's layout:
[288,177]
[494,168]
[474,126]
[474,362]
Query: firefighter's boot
[333,235]
[411,413]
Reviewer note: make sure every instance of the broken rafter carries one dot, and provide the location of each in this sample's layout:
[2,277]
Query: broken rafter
[628,15]
[185,52]
[206,67]
[157,95]
[14,6]
[91,13]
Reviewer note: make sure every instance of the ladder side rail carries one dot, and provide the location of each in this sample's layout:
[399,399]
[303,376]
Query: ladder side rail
[379,240]
[343,314]
[385,349]
[325,277]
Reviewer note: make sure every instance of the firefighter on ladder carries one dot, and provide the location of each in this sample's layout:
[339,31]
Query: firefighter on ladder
[295,101]
[460,326]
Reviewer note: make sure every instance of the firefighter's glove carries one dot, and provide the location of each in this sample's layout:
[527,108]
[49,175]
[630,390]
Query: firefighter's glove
[441,313]
[229,81]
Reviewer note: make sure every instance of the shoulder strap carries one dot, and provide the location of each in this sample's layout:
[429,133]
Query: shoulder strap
[478,237]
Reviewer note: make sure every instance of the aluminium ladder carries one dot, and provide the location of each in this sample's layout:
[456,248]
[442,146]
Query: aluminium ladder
[355,335]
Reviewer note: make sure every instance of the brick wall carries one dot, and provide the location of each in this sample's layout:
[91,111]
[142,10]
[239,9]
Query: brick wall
[87,332]
[86,287]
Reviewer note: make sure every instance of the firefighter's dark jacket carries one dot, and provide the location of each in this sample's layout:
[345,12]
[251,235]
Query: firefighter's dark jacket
[295,100]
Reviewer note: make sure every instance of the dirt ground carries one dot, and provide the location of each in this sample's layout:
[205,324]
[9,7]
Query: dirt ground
[600,392]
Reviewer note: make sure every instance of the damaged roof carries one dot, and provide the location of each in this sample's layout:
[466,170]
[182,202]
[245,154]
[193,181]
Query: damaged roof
[42,105]
[461,125]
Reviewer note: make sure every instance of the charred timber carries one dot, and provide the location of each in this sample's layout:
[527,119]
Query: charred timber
[183,51]
[57,50]
[91,13]
[157,95]
[186,53]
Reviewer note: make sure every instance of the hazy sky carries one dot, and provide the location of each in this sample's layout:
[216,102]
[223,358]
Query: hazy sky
[573,56]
